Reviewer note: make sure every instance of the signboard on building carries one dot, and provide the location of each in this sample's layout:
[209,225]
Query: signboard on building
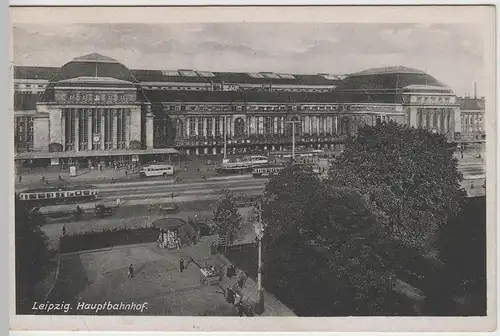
[54,162]
[135,158]
[72,171]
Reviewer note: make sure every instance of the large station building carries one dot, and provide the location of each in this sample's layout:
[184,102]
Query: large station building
[94,109]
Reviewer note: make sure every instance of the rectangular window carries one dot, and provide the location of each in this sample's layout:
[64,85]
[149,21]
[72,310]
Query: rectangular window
[192,126]
[217,126]
[209,126]
[200,126]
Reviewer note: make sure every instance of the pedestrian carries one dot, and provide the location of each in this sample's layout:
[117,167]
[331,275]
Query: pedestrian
[63,229]
[472,185]
[131,271]
[20,178]
[241,279]
[230,295]
[118,201]
[181,265]
[112,180]
[126,173]
[172,195]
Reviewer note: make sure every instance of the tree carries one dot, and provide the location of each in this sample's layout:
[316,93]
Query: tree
[32,255]
[409,179]
[319,257]
[227,219]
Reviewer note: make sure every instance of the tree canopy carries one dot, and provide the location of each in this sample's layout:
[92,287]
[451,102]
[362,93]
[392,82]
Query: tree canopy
[226,218]
[32,255]
[335,247]
[408,177]
[319,257]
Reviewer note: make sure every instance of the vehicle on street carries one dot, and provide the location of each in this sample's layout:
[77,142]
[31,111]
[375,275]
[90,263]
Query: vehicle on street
[59,194]
[156,170]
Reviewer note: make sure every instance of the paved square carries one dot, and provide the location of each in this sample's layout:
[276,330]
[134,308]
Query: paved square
[98,277]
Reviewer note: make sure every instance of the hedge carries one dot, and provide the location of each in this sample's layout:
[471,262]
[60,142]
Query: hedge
[107,238]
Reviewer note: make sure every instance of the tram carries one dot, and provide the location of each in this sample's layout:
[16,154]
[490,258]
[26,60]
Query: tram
[267,171]
[59,195]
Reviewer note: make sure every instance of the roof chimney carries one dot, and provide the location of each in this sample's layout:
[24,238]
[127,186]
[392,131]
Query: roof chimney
[475,90]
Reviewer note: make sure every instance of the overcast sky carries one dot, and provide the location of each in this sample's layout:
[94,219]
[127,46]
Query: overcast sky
[451,53]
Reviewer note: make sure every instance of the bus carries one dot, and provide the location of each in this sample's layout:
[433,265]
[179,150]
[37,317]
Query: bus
[156,170]
[59,195]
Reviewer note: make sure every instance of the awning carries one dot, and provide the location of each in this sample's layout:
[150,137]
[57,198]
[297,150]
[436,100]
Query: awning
[93,153]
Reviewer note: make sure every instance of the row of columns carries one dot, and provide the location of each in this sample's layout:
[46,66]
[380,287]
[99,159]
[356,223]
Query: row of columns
[108,130]
[472,122]
[438,119]
[255,125]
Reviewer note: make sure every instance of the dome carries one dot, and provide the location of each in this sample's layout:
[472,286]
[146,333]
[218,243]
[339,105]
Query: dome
[388,79]
[94,65]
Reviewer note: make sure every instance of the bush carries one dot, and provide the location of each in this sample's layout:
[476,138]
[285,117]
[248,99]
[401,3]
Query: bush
[107,238]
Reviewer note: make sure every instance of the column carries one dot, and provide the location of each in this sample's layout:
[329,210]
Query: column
[303,124]
[89,128]
[213,127]
[311,125]
[316,121]
[306,125]
[205,126]
[64,112]
[221,126]
[149,128]
[196,131]
[283,125]
[275,123]
[337,124]
[188,126]
[127,128]
[114,113]
[77,129]
[103,129]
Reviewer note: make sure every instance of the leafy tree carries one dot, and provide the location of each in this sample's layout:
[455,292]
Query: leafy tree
[409,179]
[31,254]
[319,257]
[227,219]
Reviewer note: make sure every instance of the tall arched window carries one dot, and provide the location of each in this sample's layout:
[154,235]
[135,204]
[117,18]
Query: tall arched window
[239,127]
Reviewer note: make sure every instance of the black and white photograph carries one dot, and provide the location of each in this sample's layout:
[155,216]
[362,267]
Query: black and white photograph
[251,166]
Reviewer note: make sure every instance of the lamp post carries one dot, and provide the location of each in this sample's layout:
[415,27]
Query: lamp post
[293,122]
[259,230]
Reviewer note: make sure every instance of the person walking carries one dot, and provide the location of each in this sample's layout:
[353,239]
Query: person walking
[181,265]
[20,178]
[63,230]
[131,271]
[126,173]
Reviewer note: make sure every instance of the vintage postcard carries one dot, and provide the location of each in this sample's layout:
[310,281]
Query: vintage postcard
[253,168]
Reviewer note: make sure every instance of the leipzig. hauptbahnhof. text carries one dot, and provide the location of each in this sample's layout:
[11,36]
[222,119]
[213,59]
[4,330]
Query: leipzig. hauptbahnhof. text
[95,110]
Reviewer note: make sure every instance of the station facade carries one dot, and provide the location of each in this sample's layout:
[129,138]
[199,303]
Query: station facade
[94,108]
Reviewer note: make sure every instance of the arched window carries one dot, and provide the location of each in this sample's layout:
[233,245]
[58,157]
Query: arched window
[239,127]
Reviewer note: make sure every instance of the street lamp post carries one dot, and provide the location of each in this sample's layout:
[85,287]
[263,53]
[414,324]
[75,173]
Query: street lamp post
[293,122]
[259,229]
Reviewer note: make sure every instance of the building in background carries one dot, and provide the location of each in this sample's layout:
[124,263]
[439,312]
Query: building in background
[95,110]
[472,120]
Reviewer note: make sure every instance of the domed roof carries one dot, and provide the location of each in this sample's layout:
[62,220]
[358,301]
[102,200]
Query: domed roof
[94,65]
[388,79]
[388,70]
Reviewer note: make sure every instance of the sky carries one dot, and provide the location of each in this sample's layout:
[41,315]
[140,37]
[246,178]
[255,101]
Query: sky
[452,53]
